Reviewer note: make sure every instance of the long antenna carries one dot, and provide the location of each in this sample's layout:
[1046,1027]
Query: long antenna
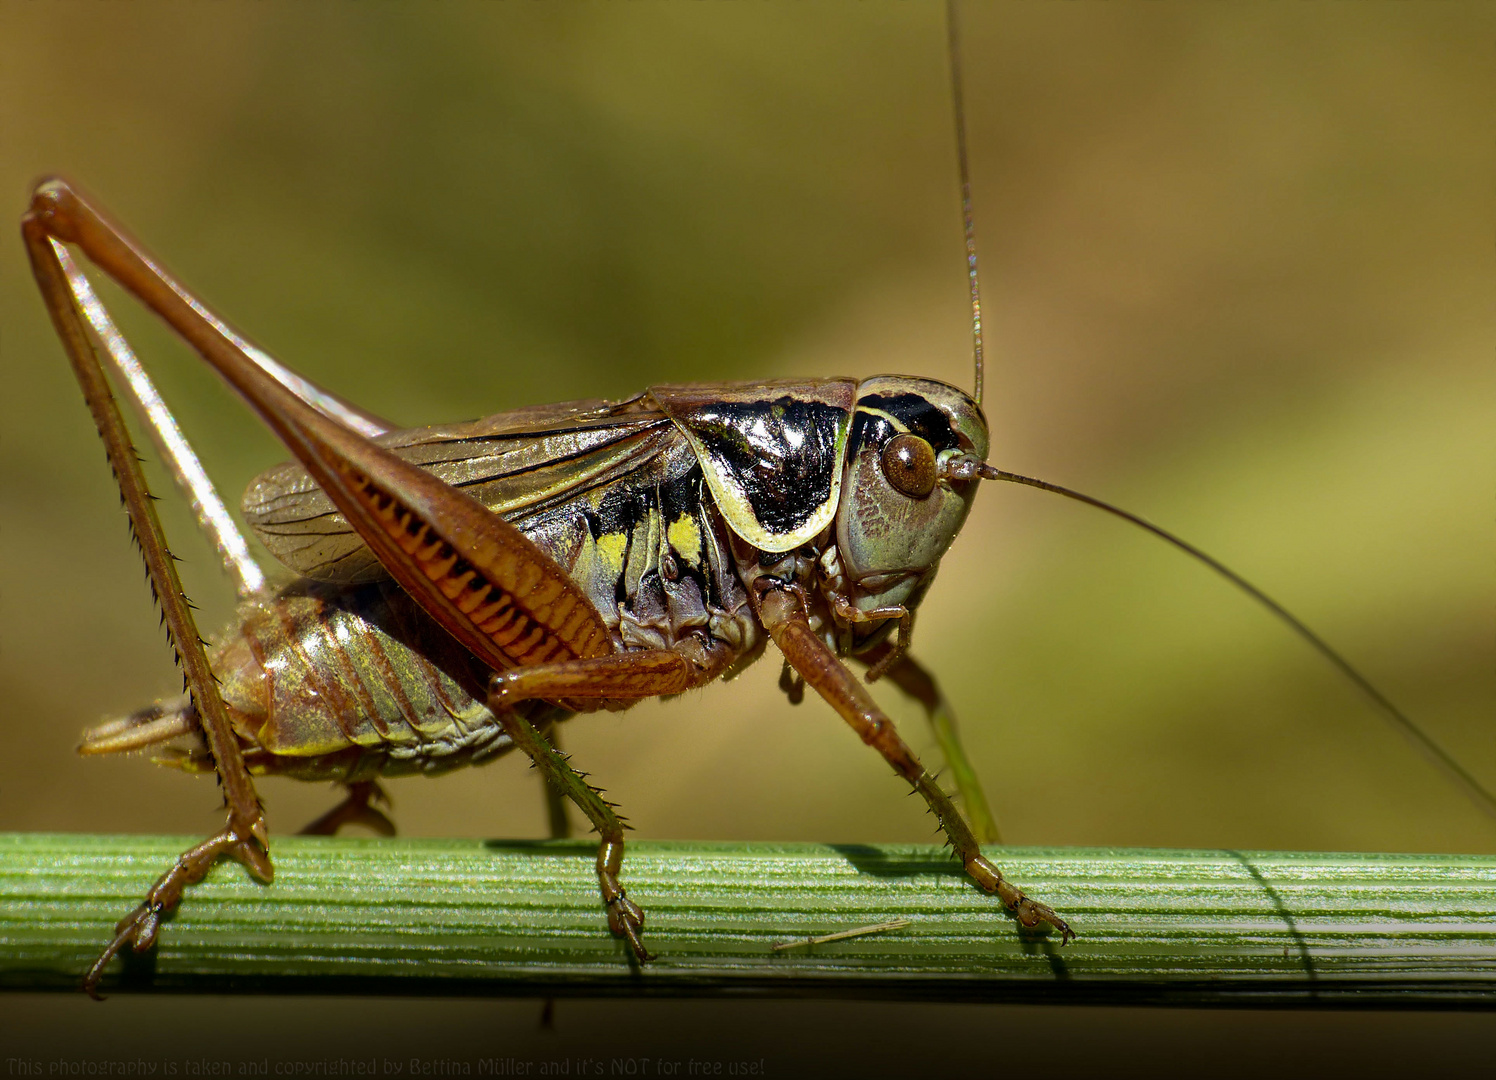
[1436,754]
[953,45]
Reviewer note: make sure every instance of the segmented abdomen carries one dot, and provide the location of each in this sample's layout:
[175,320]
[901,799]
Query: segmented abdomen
[345,683]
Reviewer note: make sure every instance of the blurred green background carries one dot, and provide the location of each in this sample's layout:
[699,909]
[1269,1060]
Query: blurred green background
[1239,277]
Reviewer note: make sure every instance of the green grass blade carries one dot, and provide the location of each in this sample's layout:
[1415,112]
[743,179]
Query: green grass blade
[468,916]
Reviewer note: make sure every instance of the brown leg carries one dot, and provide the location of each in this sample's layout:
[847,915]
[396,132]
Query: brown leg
[355,809]
[138,929]
[245,836]
[134,384]
[472,571]
[911,677]
[481,578]
[628,676]
[783,615]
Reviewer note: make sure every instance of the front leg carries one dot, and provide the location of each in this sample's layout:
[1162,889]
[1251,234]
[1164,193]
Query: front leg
[910,676]
[783,615]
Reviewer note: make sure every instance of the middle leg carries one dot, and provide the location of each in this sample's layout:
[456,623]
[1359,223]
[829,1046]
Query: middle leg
[620,677]
[625,918]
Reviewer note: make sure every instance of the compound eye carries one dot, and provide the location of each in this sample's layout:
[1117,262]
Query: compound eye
[909,464]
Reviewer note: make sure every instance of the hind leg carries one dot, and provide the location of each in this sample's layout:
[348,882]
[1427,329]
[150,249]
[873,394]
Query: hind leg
[355,809]
[244,836]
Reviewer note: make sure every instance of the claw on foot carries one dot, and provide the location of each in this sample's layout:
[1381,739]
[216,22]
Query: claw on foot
[139,928]
[1030,913]
[626,919]
[624,916]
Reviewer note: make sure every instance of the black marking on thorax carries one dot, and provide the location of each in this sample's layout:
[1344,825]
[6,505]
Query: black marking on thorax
[782,452]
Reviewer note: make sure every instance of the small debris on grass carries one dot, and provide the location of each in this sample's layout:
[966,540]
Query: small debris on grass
[841,935]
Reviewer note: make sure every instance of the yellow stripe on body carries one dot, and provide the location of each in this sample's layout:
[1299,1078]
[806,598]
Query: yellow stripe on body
[685,539]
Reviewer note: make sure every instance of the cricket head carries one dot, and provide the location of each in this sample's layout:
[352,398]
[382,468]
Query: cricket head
[906,490]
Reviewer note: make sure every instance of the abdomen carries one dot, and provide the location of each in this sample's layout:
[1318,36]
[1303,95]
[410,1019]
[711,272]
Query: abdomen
[338,682]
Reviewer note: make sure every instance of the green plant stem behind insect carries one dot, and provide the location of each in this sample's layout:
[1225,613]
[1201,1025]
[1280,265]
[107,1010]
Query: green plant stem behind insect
[1177,927]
